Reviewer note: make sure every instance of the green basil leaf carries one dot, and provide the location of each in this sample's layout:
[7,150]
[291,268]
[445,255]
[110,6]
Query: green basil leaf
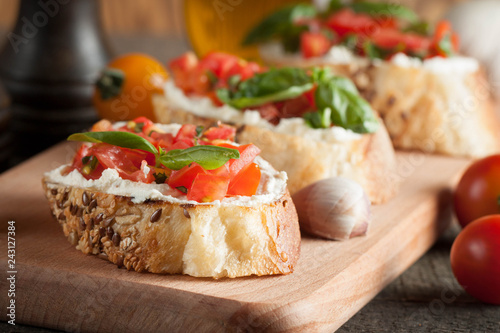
[208,157]
[445,45]
[420,27]
[280,24]
[385,9]
[117,138]
[245,102]
[348,109]
[271,86]
[319,119]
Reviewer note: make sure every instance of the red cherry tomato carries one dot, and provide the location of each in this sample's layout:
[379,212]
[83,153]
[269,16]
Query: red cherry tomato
[475,259]
[477,193]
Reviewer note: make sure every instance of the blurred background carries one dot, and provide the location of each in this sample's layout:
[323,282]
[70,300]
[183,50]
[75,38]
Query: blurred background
[64,82]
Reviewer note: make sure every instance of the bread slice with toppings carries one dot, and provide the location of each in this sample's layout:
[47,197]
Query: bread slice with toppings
[146,227]
[306,154]
[441,105]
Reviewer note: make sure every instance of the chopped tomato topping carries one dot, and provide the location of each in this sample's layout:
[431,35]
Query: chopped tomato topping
[207,188]
[221,132]
[185,176]
[186,134]
[346,21]
[246,181]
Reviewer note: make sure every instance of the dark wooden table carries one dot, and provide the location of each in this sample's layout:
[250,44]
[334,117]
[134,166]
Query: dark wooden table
[426,298]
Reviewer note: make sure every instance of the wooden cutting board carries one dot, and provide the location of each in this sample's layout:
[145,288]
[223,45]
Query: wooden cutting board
[59,287]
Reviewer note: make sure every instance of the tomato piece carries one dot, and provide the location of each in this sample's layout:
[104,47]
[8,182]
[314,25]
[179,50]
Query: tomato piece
[314,44]
[346,21]
[186,134]
[391,39]
[268,112]
[244,69]
[181,68]
[246,181]
[477,193]
[143,120]
[163,140]
[219,63]
[475,259]
[221,132]
[125,161]
[208,188]
[185,176]
[295,107]
[443,30]
[91,170]
[311,99]
[247,155]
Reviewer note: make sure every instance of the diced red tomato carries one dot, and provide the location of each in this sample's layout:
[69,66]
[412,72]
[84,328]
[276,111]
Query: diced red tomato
[314,44]
[145,121]
[295,107]
[186,134]
[246,181]
[310,97]
[181,68]
[346,21]
[207,188]
[77,164]
[244,69]
[268,112]
[222,132]
[392,39]
[185,176]
[247,155]
[219,63]
[125,161]
[163,140]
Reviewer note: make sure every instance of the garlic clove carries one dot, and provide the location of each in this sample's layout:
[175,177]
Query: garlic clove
[334,208]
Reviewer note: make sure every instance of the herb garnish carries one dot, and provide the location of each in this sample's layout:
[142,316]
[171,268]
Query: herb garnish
[208,157]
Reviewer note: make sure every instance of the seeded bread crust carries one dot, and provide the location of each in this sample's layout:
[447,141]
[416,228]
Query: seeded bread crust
[369,161]
[163,237]
[434,113]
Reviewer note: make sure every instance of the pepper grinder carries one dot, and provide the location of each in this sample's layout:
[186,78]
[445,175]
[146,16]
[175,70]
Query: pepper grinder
[48,66]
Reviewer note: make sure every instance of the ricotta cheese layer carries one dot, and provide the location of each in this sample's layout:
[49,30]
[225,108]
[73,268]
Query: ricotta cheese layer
[271,188]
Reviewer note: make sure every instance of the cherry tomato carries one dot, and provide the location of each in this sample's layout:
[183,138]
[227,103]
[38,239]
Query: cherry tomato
[478,191]
[314,44]
[475,259]
[126,86]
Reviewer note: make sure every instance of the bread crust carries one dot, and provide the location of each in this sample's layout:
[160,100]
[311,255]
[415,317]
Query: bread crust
[370,160]
[435,113]
[199,240]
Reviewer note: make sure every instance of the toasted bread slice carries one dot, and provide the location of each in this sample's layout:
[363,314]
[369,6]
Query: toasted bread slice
[436,110]
[306,155]
[158,233]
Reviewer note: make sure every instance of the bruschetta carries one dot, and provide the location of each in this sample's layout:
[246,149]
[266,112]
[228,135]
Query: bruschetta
[430,97]
[309,123]
[175,199]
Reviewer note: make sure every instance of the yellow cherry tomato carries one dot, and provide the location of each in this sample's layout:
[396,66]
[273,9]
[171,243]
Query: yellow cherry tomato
[126,86]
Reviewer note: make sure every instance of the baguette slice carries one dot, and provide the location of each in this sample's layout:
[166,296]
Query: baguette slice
[368,159]
[235,237]
[435,110]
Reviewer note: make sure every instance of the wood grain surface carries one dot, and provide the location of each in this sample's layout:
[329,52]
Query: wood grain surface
[59,287]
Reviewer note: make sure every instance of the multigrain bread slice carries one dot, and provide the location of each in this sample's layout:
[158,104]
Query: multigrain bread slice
[435,110]
[368,159]
[144,228]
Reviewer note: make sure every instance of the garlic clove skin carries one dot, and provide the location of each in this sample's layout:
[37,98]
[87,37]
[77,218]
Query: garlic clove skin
[334,208]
